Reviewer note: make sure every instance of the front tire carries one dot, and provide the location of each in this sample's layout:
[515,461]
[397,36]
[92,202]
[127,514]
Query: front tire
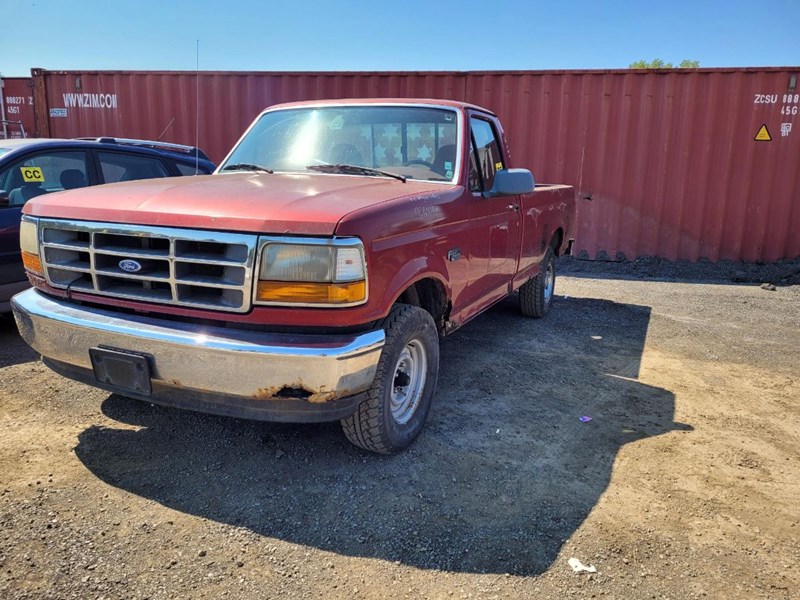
[536,294]
[398,401]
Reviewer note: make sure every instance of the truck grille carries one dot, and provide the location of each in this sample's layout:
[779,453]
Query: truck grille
[202,269]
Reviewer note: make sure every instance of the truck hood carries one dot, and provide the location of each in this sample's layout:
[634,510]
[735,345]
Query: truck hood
[298,203]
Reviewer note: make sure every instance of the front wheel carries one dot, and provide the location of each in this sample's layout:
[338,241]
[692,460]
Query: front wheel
[399,399]
[536,294]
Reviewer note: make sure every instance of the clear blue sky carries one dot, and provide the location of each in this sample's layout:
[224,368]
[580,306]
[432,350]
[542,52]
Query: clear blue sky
[312,35]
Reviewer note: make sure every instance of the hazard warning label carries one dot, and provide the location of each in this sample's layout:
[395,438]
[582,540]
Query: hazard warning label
[763,134]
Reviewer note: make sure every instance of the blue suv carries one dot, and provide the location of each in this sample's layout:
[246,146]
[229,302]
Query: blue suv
[32,167]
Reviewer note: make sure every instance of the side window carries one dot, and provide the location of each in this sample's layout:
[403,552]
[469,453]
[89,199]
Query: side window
[486,152]
[117,166]
[44,173]
[475,181]
[185,169]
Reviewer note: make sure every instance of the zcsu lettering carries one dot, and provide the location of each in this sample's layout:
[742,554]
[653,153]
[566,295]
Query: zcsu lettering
[766,99]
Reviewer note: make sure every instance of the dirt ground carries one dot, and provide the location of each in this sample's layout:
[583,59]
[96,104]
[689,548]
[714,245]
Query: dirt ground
[685,482]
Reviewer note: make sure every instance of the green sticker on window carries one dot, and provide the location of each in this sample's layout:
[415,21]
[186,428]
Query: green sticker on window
[337,122]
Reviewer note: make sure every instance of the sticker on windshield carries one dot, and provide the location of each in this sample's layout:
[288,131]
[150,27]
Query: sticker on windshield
[449,174]
[448,118]
[498,166]
[337,122]
[32,174]
[448,166]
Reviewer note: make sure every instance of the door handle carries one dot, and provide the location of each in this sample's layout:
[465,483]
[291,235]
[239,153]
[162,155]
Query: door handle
[514,207]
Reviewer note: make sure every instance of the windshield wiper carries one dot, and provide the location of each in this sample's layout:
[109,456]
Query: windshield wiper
[354,170]
[246,167]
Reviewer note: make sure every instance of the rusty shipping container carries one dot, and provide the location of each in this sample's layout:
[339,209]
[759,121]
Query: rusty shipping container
[16,106]
[681,164]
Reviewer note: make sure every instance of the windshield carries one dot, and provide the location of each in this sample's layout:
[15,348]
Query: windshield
[415,142]
[4,151]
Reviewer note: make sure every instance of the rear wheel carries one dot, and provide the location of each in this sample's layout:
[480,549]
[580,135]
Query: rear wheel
[399,399]
[536,294]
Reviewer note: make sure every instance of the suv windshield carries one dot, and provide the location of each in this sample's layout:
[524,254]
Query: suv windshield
[415,142]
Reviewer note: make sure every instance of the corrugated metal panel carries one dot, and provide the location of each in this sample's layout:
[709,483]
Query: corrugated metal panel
[668,158]
[152,105]
[17,106]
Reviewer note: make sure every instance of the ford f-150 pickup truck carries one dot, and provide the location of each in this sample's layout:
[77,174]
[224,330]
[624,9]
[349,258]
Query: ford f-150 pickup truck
[308,279]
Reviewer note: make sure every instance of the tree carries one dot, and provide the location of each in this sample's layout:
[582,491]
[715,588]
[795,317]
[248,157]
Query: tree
[657,63]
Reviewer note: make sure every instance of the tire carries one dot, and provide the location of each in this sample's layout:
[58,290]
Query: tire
[536,294]
[399,398]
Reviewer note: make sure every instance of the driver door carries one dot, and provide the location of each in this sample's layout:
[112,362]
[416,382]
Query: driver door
[494,220]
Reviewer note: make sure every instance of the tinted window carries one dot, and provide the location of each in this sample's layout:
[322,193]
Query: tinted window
[44,173]
[475,181]
[487,152]
[185,169]
[129,167]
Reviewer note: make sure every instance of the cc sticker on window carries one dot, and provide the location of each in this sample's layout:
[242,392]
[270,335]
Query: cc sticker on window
[498,166]
[32,174]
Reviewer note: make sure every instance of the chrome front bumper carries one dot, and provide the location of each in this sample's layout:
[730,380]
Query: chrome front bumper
[251,374]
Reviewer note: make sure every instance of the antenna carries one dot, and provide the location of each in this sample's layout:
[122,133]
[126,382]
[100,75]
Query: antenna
[197,113]
[165,129]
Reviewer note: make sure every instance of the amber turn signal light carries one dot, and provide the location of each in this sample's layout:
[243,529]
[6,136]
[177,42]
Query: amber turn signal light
[311,293]
[32,262]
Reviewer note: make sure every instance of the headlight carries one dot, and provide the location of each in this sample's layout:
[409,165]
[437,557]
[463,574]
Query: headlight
[312,272]
[29,245]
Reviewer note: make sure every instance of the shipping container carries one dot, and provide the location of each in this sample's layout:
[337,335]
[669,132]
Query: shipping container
[16,107]
[677,163]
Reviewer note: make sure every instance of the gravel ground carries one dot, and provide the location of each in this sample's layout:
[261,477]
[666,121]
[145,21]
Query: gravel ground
[684,483]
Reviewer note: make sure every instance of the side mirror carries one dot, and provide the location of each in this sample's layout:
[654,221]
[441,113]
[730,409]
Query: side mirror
[512,182]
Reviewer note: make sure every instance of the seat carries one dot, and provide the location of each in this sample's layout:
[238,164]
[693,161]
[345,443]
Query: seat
[445,154]
[72,178]
[21,195]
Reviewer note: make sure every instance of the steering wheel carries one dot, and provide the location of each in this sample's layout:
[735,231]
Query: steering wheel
[408,163]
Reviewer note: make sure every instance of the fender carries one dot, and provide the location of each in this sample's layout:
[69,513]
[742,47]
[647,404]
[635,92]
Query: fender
[416,270]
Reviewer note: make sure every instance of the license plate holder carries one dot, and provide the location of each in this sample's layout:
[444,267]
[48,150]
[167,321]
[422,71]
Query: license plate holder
[122,369]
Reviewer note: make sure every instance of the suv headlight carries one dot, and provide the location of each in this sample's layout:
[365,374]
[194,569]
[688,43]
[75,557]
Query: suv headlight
[312,272]
[29,244]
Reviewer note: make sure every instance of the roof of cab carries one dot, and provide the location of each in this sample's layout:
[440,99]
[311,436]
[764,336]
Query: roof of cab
[383,101]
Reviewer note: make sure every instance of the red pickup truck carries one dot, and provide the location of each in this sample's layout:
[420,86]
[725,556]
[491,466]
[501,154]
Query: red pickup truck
[308,279]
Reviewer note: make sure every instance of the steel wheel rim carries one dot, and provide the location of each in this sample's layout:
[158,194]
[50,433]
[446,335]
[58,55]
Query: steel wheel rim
[408,381]
[549,282]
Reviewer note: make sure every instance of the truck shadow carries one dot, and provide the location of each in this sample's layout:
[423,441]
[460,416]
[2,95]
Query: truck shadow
[13,350]
[723,272]
[503,475]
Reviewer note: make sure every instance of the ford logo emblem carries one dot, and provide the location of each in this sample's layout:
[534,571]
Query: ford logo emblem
[130,266]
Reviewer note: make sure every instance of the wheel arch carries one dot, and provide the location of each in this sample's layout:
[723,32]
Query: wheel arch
[429,294]
[420,284]
[556,240]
